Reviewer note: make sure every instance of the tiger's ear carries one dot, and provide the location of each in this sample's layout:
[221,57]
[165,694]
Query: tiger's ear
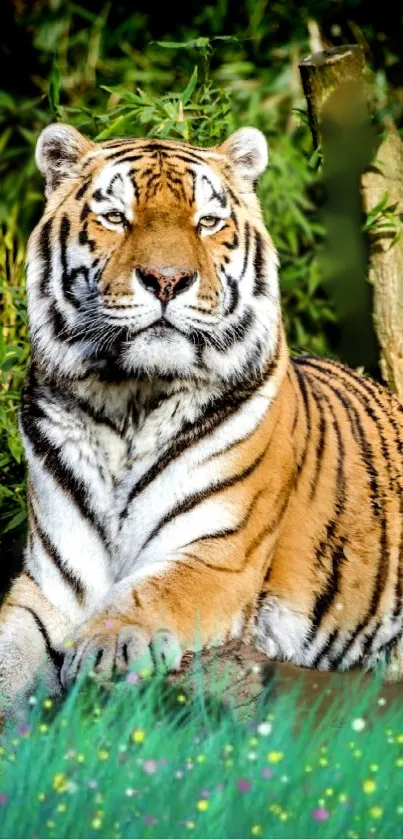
[58,150]
[248,152]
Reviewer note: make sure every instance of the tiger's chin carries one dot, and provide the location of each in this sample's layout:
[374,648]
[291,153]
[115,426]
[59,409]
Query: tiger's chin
[160,351]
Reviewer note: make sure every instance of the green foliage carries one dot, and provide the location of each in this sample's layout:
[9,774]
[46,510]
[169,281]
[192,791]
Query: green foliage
[14,350]
[146,760]
[384,218]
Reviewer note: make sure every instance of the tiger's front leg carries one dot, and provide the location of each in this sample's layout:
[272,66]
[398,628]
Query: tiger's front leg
[191,604]
[31,629]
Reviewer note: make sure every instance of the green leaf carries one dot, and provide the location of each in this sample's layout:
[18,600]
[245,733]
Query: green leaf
[189,89]
[55,84]
[18,519]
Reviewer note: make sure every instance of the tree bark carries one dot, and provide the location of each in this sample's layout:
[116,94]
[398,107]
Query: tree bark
[337,92]
[385,176]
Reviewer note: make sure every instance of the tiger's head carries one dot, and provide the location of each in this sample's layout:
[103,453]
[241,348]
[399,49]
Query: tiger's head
[152,258]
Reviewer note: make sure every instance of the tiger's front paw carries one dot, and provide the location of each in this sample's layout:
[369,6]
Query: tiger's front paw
[130,648]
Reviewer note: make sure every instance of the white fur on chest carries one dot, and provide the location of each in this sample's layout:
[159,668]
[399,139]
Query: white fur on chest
[143,522]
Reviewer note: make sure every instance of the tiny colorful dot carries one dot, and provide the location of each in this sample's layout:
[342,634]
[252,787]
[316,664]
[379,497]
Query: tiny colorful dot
[202,805]
[358,724]
[369,786]
[150,766]
[275,757]
[320,814]
[244,785]
[264,729]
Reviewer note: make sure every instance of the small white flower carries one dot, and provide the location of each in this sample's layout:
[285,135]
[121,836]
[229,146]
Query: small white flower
[32,700]
[264,729]
[381,700]
[284,779]
[72,787]
[251,755]
[129,792]
[358,724]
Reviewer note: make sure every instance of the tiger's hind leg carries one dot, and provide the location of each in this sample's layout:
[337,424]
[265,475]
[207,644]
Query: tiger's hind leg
[30,629]
[280,631]
[394,668]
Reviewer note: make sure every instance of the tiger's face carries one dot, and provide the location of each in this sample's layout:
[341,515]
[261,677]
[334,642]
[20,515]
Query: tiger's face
[152,259]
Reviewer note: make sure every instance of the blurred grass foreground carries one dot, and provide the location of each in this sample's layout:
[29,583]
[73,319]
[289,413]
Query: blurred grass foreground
[143,759]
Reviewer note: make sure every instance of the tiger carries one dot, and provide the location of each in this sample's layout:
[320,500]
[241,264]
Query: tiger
[189,480]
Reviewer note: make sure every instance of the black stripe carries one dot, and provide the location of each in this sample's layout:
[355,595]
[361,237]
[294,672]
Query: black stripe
[45,255]
[283,499]
[55,657]
[305,398]
[234,295]
[202,495]
[30,416]
[50,549]
[230,531]
[260,283]
[235,333]
[370,638]
[326,598]
[234,197]
[214,415]
[246,251]
[389,646]
[217,196]
[320,447]
[64,235]
[60,325]
[83,189]
[325,649]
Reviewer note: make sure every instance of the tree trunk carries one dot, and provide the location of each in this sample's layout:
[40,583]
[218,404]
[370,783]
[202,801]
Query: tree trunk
[337,92]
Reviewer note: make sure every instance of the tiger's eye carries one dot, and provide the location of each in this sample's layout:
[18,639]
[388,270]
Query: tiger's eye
[114,217]
[208,221]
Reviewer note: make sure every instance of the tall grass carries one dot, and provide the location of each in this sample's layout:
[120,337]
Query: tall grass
[151,760]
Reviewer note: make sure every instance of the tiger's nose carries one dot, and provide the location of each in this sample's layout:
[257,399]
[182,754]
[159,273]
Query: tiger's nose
[166,284]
